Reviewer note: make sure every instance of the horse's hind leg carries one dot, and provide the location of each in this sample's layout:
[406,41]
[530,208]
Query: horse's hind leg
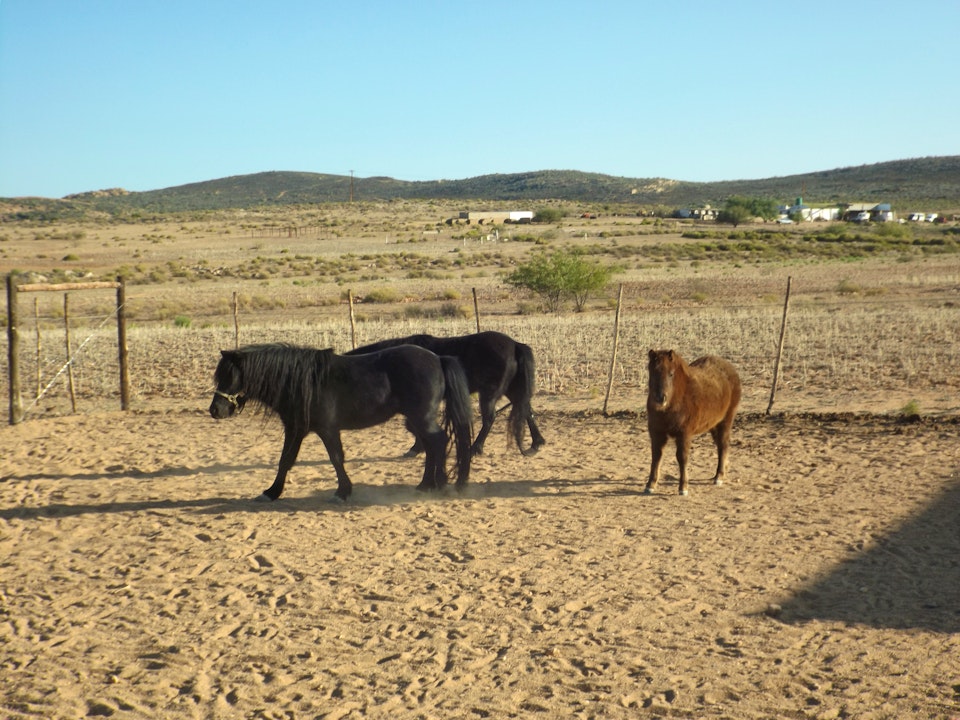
[535,436]
[721,438]
[433,440]
[435,463]
[415,449]
[488,413]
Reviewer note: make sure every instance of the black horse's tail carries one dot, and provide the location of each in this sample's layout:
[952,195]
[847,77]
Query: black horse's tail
[458,414]
[520,393]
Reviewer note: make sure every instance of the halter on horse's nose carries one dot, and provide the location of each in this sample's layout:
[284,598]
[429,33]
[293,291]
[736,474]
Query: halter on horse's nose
[236,401]
[233,399]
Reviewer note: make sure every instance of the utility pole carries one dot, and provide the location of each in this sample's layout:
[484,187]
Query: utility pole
[351,186]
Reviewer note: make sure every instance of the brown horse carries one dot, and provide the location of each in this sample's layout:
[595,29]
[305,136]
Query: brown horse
[688,400]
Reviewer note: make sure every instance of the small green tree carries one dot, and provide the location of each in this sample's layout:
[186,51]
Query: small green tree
[739,209]
[558,274]
[733,215]
[548,215]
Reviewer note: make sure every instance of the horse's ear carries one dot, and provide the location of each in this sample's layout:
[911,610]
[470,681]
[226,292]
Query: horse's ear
[652,354]
[670,355]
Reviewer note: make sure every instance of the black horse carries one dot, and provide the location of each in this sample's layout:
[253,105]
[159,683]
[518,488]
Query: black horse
[319,391]
[495,365]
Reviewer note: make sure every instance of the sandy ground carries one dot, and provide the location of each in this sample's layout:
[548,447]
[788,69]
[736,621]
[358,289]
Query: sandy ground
[138,579]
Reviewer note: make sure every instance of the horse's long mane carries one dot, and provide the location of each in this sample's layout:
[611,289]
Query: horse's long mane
[285,379]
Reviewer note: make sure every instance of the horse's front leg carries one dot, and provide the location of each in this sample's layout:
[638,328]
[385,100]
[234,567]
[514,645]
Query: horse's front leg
[488,413]
[657,442]
[333,444]
[292,440]
[683,454]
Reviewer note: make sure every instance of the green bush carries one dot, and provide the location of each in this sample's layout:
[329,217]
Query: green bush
[911,410]
[548,215]
[560,274]
[848,287]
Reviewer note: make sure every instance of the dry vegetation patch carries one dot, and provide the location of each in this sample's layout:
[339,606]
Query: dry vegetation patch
[872,326]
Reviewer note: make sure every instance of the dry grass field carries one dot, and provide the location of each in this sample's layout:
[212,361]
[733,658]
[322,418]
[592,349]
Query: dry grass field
[137,579]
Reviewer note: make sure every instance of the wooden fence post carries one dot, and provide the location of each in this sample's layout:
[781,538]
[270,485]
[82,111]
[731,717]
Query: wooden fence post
[13,353]
[353,323]
[236,320]
[783,329]
[122,344]
[66,339]
[616,344]
[476,309]
[36,324]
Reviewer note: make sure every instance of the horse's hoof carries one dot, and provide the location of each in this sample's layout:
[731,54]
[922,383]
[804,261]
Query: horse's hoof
[648,491]
[263,498]
[684,492]
[337,500]
[718,481]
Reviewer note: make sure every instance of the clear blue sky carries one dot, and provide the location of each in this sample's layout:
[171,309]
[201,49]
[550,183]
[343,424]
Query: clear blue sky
[148,94]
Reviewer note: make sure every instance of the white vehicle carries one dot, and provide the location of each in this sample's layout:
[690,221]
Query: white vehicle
[862,217]
[931,217]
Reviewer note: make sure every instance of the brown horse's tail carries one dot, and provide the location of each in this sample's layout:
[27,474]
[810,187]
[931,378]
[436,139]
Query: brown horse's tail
[458,414]
[520,393]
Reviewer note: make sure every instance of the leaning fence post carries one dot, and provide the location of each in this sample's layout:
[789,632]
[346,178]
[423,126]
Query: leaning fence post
[783,329]
[353,322]
[236,320]
[476,309]
[66,339]
[616,344]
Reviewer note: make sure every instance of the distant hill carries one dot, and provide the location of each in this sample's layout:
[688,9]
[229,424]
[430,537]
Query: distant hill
[928,183]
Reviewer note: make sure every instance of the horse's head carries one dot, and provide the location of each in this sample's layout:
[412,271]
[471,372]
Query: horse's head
[662,367]
[229,396]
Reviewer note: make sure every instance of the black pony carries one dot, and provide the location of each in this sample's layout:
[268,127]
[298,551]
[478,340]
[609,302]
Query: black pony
[495,365]
[319,391]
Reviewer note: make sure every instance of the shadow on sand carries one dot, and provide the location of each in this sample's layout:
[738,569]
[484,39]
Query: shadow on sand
[909,579]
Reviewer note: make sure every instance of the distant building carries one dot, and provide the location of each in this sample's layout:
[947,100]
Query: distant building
[863,212]
[703,213]
[480,218]
[807,213]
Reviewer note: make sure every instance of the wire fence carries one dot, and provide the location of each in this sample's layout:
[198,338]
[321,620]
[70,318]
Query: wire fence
[865,356]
